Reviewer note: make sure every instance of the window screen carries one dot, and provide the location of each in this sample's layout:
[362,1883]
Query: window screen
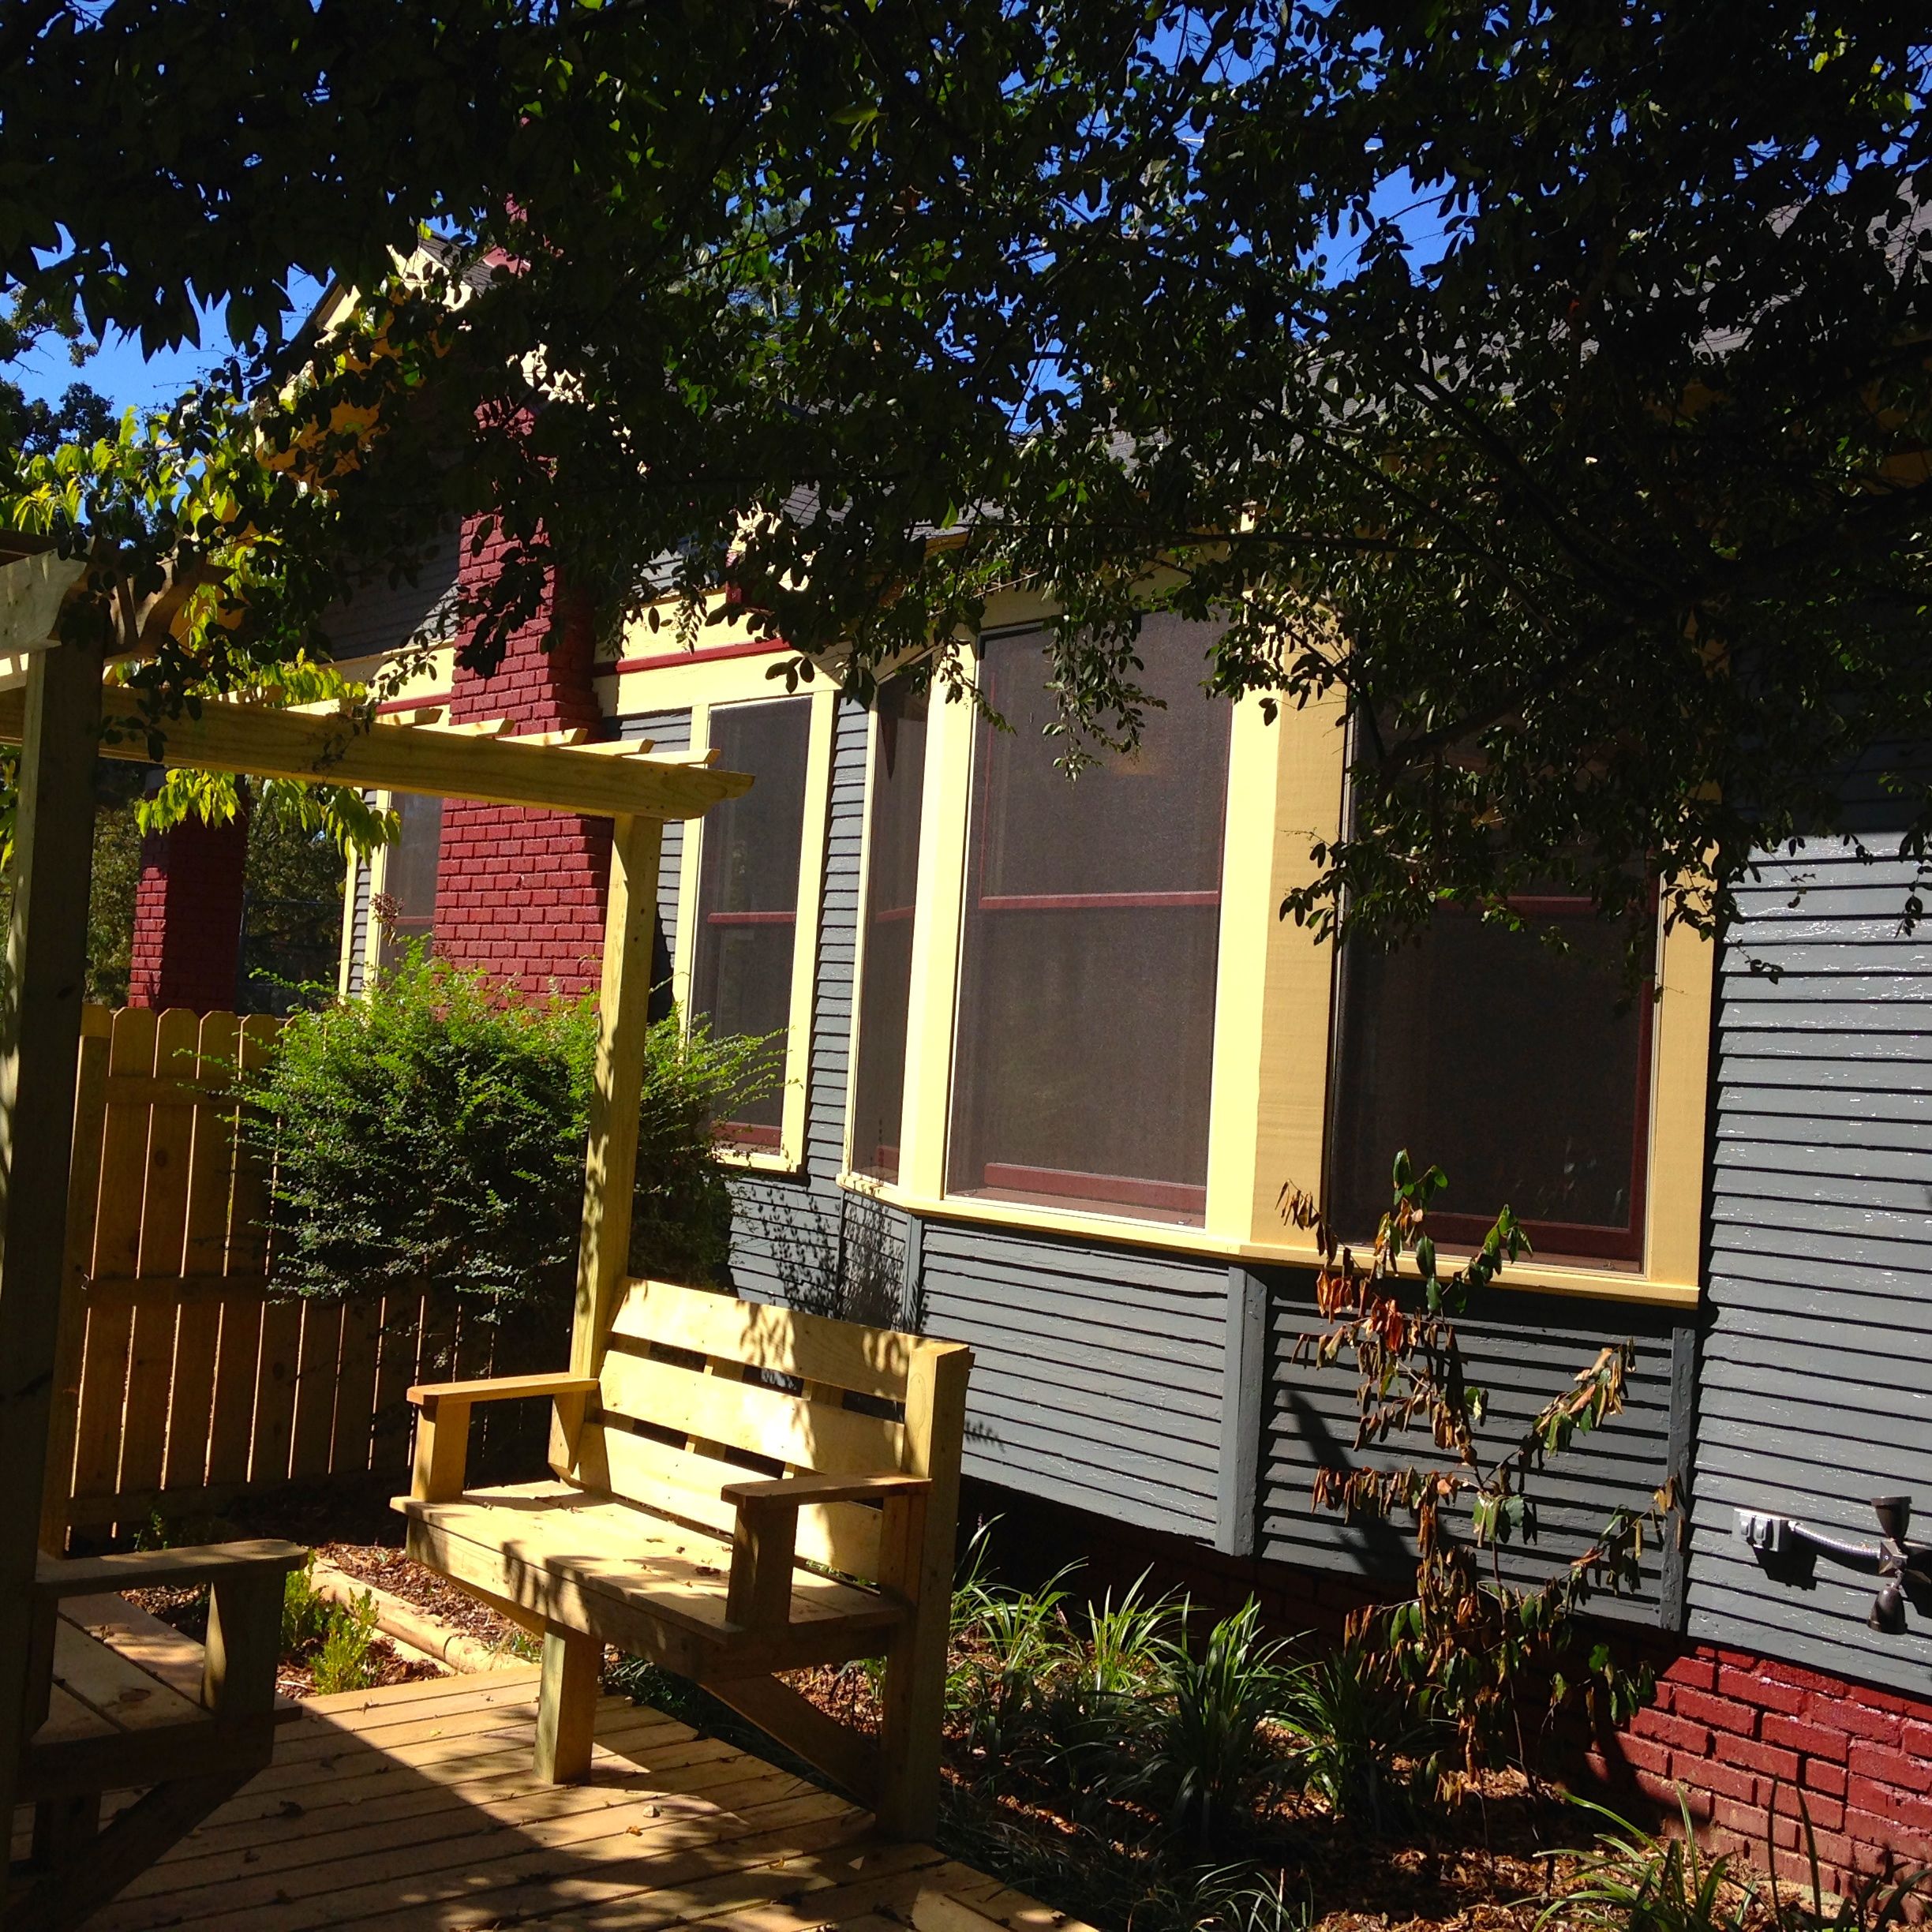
[749,854]
[885,965]
[1085,1038]
[406,916]
[1520,1070]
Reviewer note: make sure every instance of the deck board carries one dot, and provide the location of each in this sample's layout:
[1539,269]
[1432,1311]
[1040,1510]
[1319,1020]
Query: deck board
[417,1805]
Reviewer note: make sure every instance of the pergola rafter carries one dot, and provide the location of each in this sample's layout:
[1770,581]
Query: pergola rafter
[65,716]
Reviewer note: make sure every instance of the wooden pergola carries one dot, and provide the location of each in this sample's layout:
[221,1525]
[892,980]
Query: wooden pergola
[64,717]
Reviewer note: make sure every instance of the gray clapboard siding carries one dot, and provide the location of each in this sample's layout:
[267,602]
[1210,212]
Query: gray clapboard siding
[1097,1370]
[359,926]
[1819,1297]
[1521,1354]
[379,616]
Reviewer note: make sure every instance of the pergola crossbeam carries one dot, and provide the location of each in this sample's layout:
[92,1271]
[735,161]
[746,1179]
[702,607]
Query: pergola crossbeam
[380,754]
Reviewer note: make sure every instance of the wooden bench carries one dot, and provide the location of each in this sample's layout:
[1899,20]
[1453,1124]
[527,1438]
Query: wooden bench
[738,1490]
[122,1702]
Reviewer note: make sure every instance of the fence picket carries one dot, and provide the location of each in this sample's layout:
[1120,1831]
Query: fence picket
[116,1254]
[355,1388]
[231,1431]
[163,1230]
[204,1240]
[83,1208]
[398,1363]
[319,1370]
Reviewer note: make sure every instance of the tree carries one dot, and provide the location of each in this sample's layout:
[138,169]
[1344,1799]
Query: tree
[688,208]
[1555,381]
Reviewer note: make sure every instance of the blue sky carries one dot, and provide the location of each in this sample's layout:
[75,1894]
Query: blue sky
[119,372]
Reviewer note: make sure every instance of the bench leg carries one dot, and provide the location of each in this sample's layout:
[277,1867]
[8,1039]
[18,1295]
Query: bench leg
[913,1699]
[567,1705]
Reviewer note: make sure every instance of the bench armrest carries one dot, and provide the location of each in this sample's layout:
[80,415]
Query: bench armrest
[501,1388]
[809,1486]
[246,1582]
[443,1427]
[765,1539]
[56,1577]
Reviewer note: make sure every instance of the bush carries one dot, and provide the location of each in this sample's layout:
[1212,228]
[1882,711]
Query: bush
[333,1641]
[431,1135]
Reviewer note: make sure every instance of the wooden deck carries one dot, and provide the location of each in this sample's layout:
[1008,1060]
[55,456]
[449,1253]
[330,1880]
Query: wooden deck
[418,1807]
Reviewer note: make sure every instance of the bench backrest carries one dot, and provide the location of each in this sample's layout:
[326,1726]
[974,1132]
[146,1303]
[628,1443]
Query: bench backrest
[699,1390]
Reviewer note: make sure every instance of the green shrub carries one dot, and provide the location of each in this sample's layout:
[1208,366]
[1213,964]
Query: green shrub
[344,1663]
[431,1135]
[305,1613]
[333,1641]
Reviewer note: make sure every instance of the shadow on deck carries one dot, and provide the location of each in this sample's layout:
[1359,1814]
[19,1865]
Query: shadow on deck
[417,1806]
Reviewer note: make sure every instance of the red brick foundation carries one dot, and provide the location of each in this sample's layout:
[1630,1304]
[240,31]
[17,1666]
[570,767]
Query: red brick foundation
[520,893]
[1756,1745]
[187,908]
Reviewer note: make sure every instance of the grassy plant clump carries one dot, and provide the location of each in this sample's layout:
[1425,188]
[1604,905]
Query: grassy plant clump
[1212,1745]
[336,1643]
[430,1134]
[1127,1760]
[1634,1881]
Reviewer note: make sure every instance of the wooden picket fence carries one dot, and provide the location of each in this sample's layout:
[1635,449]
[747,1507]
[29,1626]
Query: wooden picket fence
[183,1383]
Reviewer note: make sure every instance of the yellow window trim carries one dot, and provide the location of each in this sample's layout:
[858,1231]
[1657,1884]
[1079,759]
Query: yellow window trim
[378,864]
[345,961]
[789,1156]
[1599,1284]
[858,942]
[1274,1049]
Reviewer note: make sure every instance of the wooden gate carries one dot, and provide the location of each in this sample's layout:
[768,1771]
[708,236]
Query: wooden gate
[182,1382]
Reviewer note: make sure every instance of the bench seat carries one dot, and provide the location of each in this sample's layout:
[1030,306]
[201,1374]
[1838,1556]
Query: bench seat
[736,1491]
[643,1582]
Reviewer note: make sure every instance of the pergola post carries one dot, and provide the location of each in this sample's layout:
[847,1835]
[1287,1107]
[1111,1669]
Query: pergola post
[39,1046]
[567,1692]
[624,1019]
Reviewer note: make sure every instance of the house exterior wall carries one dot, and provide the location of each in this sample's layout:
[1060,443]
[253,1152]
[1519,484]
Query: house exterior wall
[1157,1387]
[1813,1397]
[1521,1354]
[520,894]
[187,910]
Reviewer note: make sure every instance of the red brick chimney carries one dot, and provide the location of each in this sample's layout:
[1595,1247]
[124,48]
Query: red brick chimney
[520,893]
[188,916]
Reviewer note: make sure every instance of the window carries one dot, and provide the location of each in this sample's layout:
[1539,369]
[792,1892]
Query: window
[886,968]
[405,906]
[1522,1070]
[1084,1040]
[747,910]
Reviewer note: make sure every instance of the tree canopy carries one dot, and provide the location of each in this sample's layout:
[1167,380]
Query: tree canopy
[1551,382]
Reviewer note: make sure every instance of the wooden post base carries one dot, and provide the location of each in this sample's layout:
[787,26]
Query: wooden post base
[567,1705]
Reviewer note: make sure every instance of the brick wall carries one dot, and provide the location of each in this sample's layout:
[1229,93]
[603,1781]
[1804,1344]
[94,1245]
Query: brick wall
[187,907]
[1756,1744]
[520,893]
